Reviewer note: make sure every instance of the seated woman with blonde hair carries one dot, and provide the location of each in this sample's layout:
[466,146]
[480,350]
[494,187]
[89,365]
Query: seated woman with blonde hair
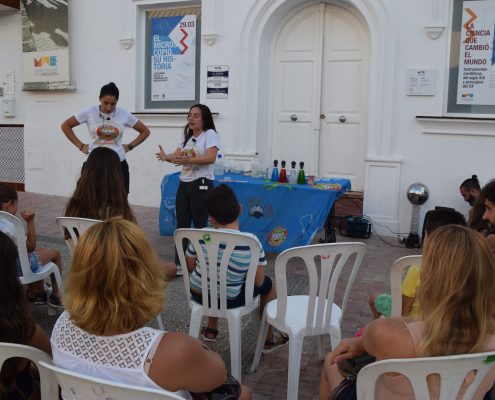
[112,293]
[457,317]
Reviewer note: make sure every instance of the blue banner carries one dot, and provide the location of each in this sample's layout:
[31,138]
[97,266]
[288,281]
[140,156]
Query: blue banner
[280,215]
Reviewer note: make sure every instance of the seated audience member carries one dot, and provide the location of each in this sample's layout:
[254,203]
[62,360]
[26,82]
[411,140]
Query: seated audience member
[106,335]
[101,194]
[488,193]
[224,211]
[18,377]
[381,304]
[470,190]
[457,303]
[37,256]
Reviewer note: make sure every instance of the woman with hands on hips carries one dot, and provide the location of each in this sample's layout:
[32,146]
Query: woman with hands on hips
[106,123]
[457,303]
[196,154]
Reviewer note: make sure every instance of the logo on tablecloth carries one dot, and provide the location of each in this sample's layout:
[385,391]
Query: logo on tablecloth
[277,236]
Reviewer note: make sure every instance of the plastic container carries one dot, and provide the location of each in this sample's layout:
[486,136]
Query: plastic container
[219,166]
[275,171]
[293,173]
[256,167]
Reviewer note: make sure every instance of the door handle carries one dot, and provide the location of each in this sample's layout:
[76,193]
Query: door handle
[342,118]
[293,117]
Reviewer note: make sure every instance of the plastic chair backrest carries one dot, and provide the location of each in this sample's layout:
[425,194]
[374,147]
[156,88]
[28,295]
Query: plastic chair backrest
[20,237]
[333,257]
[451,369]
[83,387]
[396,272]
[76,227]
[48,386]
[215,241]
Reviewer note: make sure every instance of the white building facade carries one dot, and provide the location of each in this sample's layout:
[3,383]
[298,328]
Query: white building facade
[334,84]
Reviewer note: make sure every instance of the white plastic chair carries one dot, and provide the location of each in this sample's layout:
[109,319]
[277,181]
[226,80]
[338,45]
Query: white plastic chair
[212,239]
[314,314]
[29,276]
[48,385]
[396,272]
[76,227]
[83,387]
[451,369]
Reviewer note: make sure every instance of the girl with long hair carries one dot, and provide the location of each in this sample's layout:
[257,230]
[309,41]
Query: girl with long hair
[457,302]
[17,377]
[100,191]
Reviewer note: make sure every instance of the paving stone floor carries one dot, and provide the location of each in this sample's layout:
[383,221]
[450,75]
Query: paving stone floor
[270,380]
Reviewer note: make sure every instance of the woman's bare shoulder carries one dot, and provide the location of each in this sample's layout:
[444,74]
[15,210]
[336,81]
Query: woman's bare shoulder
[389,338]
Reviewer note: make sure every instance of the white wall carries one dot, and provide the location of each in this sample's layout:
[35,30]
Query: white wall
[407,155]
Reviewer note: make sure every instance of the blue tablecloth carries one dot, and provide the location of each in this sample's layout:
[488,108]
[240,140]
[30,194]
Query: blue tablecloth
[280,215]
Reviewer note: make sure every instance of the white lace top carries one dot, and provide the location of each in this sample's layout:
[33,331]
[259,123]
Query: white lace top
[119,358]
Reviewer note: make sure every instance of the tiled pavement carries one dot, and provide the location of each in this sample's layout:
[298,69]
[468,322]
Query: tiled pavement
[270,380]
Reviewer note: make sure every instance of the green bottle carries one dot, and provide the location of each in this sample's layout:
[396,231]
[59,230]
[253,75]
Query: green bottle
[301,177]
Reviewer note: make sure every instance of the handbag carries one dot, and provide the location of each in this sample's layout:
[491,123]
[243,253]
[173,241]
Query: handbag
[230,390]
[350,369]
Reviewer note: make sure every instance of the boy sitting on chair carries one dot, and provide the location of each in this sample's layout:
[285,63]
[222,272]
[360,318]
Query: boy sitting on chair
[381,304]
[224,211]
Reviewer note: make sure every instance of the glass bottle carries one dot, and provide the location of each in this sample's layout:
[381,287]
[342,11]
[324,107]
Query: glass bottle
[293,173]
[301,177]
[283,173]
[275,171]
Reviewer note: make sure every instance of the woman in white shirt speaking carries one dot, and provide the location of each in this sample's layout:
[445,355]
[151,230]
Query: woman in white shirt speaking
[197,155]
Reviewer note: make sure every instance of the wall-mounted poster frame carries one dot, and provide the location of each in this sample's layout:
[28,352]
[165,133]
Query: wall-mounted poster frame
[45,55]
[172,57]
[471,85]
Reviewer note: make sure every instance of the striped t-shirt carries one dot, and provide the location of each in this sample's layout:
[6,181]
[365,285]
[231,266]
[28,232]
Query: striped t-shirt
[236,270]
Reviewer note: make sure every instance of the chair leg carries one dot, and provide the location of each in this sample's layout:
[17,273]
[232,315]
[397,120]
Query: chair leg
[262,331]
[235,347]
[335,337]
[195,323]
[295,351]
[320,344]
[160,322]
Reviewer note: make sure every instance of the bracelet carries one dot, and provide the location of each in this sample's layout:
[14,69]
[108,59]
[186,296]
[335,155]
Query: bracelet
[130,146]
[81,147]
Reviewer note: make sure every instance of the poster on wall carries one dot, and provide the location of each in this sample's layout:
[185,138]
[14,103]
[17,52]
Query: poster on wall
[476,83]
[217,82]
[173,58]
[45,45]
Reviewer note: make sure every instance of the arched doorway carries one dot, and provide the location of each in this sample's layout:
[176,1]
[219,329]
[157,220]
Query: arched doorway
[318,98]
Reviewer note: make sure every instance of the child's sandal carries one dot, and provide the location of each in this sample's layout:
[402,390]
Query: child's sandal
[209,334]
[272,345]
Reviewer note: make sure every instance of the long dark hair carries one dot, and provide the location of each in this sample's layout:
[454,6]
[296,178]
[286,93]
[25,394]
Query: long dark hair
[16,323]
[109,89]
[206,117]
[100,191]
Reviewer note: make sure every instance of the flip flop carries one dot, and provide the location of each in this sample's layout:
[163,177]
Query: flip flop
[271,345]
[205,331]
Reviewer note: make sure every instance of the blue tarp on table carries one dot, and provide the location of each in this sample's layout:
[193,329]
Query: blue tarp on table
[280,215]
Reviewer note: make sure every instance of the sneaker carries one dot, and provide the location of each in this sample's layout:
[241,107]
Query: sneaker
[179,270]
[55,302]
[38,298]
[272,345]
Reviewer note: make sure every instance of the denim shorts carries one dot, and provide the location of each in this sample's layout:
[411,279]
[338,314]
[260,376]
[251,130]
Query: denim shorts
[240,300]
[34,263]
